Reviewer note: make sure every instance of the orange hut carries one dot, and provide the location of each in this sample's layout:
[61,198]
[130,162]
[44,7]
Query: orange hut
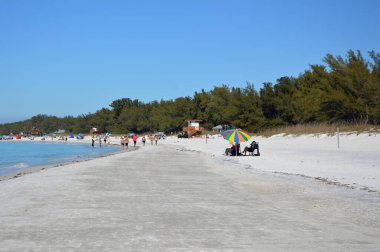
[94,131]
[193,127]
[35,131]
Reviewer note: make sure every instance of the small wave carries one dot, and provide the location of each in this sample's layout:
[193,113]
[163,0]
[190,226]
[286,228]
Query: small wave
[20,165]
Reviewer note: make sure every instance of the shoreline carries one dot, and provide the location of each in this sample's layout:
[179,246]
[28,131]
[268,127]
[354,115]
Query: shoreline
[39,168]
[353,166]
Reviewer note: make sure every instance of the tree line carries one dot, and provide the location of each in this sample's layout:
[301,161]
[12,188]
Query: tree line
[344,89]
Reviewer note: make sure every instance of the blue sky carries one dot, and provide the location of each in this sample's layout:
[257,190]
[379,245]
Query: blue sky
[73,57]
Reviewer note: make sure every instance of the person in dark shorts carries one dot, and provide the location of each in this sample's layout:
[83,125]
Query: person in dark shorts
[122,141]
[126,141]
[151,139]
[134,138]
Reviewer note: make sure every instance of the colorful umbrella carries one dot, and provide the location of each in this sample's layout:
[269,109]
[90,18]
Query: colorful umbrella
[236,135]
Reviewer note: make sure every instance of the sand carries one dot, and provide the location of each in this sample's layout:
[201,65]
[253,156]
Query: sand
[355,164]
[173,198]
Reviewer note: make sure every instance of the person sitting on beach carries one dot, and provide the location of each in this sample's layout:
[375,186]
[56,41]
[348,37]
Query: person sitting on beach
[238,148]
[229,150]
[235,151]
[251,149]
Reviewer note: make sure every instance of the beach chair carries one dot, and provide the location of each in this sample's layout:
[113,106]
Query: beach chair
[251,150]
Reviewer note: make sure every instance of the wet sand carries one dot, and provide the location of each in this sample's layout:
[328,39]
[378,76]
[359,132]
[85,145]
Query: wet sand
[38,168]
[162,198]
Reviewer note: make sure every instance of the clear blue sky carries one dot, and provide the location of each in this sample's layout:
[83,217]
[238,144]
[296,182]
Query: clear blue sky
[73,57]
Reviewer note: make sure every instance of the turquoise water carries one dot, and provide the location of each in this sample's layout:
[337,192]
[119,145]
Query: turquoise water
[18,156]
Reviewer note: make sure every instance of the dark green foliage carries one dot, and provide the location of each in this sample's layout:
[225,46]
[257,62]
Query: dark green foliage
[345,90]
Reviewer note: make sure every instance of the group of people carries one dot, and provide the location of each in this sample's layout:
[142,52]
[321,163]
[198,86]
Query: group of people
[125,140]
[106,139]
[94,139]
[234,150]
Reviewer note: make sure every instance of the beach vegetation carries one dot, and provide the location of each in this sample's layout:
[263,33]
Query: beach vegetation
[344,92]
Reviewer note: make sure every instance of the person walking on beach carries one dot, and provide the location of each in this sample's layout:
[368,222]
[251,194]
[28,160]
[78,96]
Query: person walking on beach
[126,141]
[156,139]
[134,138]
[151,139]
[143,140]
[122,141]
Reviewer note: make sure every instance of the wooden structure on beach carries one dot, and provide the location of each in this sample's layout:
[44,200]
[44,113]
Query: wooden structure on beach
[94,131]
[193,128]
[35,131]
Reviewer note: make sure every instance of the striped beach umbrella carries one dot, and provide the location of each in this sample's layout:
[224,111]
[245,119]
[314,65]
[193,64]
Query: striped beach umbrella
[236,135]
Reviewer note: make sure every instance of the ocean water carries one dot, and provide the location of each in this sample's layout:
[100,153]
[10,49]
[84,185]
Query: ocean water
[18,156]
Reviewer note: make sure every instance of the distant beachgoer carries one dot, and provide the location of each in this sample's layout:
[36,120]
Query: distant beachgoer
[151,139]
[134,138]
[93,142]
[105,139]
[100,141]
[143,140]
[122,141]
[156,139]
[126,141]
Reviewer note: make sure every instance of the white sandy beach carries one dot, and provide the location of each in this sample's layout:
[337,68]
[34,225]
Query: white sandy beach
[184,195]
[356,163]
